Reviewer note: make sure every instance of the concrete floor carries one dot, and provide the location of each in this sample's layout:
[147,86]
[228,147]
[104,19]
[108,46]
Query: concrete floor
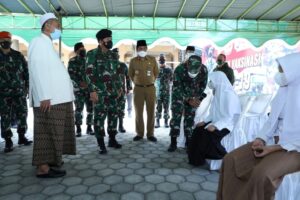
[140,170]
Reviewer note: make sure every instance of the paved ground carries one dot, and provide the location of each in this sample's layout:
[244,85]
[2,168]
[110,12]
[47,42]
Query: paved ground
[140,170]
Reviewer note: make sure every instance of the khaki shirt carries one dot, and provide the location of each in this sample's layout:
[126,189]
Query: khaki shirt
[143,71]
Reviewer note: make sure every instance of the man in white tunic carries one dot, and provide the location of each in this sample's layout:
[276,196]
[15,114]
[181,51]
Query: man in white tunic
[51,95]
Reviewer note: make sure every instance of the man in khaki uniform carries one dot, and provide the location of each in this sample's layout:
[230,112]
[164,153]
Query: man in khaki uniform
[143,71]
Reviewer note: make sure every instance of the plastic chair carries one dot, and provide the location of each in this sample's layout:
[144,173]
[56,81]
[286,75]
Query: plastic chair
[289,187]
[256,115]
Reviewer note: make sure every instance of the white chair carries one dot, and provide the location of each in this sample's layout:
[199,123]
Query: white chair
[256,115]
[289,189]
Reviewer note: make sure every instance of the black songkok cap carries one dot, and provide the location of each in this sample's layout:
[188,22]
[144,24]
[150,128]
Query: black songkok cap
[103,33]
[190,48]
[141,43]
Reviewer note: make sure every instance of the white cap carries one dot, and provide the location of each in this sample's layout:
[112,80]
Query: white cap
[46,17]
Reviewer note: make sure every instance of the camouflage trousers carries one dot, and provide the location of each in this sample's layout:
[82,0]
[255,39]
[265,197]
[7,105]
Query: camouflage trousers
[163,102]
[102,110]
[81,99]
[121,101]
[178,111]
[8,106]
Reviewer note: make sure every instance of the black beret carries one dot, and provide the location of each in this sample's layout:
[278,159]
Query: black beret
[103,33]
[78,46]
[141,43]
[190,48]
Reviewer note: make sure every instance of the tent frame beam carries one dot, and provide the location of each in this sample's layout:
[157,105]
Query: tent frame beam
[202,9]
[271,9]
[289,13]
[249,9]
[225,9]
[181,8]
[79,8]
[26,6]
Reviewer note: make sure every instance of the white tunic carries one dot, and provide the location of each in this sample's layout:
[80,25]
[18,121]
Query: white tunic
[48,77]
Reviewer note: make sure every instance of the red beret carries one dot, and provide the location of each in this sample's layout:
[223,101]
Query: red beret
[4,34]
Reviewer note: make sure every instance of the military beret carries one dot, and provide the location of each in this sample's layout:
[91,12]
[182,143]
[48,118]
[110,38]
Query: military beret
[78,46]
[190,48]
[5,34]
[103,33]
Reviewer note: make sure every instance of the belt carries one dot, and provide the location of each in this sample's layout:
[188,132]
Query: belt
[144,85]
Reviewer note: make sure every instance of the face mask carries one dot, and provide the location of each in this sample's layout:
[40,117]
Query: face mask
[5,44]
[56,34]
[210,85]
[108,44]
[280,79]
[82,53]
[191,75]
[220,62]
[142,53]
[161,62]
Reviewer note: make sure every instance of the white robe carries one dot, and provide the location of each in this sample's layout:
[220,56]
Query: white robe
[286,105]
[225,106]
[48,77]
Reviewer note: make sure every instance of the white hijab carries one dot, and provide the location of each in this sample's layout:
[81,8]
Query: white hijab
[290,99]
[225,104]
[287,102]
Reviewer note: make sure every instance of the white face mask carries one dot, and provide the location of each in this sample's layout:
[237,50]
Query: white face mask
[188,55]
[280,79]
[210,85]
[192,75]
[142,53]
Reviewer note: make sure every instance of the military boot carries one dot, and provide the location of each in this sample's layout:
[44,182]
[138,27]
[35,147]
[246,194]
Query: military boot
[89,130]
[22,139]
[157,125]
[8,145]
[101,144]
[112,140]
[78,131]
[173,145]
[166,123]
[121,127]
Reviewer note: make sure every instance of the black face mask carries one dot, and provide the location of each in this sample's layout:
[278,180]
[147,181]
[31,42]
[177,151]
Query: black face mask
[108,44]
[161,62]
[82,53]
[220,62]
[5,44]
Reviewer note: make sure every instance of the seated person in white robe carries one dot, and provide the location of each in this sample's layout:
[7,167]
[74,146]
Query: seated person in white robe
[255,170]
[224,109]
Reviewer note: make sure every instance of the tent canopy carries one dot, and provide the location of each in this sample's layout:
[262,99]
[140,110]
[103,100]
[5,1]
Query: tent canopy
[182,21]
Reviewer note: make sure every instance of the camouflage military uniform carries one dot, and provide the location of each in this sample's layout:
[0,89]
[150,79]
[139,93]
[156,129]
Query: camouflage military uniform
[14,83]
[77,73]
[185,88]
[163,99]
[126,86]
[102,71]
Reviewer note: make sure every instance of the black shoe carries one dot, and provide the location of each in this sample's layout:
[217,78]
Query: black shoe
[101,144]
[52,173]
[89,130]
[121,128]
[113,143]
[8,145]
[57,165]
[166,123]
[157,125]
[173,145]
[137,138]
[24,141]
[152,139]
[78,131]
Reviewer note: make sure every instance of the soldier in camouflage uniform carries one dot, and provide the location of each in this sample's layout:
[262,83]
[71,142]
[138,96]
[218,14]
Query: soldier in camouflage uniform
[126,87]
[163,98]
[76,69]
[14,83]
[102,65]
[190,79]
